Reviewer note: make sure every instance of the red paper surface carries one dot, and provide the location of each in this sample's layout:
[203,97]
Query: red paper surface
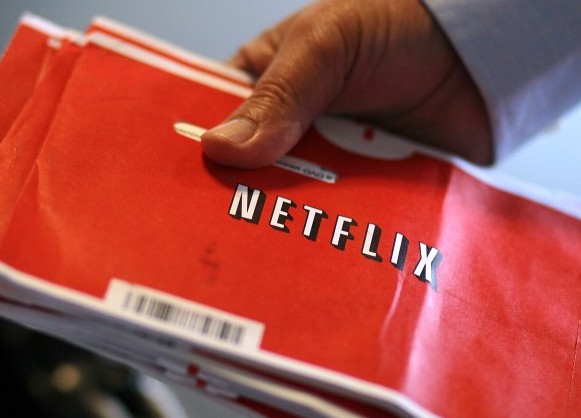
[115,192]
[24,139]
[167,50]
[22,65]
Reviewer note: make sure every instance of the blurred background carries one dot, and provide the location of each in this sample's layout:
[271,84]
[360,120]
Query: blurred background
[216,29]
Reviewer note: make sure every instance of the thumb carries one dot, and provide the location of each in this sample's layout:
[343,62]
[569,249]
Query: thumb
[299,82]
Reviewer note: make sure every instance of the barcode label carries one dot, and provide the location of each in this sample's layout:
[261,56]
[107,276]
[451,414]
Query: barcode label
[183,316]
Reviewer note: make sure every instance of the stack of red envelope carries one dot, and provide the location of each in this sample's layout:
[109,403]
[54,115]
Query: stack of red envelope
[360,275]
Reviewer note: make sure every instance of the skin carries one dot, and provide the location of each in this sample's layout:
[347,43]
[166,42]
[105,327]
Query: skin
[383,61]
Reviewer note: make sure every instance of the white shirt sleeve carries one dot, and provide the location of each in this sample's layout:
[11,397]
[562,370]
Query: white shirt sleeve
[524,55]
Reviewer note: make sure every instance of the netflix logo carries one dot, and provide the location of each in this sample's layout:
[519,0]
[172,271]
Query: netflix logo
[247,204]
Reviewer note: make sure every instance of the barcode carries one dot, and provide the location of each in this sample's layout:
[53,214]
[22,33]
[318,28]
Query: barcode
[184,318]
[180,314]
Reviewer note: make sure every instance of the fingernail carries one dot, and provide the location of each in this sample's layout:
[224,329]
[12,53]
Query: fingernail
[237,130]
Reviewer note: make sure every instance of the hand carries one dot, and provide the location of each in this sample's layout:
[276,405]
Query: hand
[383,61]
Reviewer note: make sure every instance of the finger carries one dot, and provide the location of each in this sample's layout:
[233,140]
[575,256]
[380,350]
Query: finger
[303,77]
[256,55]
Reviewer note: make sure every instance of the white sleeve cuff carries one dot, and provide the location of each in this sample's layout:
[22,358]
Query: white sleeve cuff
[524,55]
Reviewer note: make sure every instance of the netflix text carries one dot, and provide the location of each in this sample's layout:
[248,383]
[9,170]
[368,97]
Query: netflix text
[248,204]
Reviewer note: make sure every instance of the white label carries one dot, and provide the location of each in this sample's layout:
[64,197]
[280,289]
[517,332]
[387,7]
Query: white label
[189,131]
[183,316]
[306,168]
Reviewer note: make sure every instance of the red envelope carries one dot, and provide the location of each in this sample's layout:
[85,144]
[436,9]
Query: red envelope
[401,280]
[23,64]
[151,43]
[24,139]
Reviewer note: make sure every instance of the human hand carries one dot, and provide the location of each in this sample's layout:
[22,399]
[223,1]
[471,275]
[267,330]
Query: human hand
[386,62]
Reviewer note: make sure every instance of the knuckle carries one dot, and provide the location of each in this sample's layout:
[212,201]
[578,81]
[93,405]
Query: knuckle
[244,57]
[257,54]
[276,94]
